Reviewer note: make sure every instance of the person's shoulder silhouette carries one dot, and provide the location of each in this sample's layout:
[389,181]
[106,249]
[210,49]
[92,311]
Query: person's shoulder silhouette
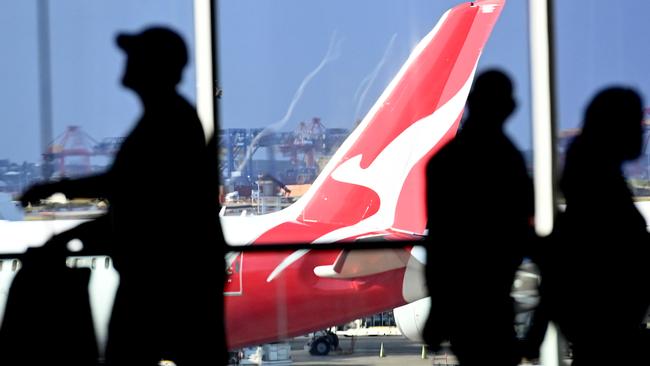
[163,207]
[481,161]
[597,271]
[478,195]
[168,138]
[168,134]
[592,182]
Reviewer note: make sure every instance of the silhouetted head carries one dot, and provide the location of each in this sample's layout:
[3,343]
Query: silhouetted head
[613,123]
[155,59]
[491,102]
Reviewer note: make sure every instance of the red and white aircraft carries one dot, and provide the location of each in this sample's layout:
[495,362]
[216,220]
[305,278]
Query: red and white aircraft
[373,186]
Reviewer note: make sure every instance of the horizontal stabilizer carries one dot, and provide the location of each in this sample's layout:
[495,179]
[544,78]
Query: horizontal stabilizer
[359,263]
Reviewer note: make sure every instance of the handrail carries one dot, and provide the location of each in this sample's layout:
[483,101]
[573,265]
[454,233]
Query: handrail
[364,245]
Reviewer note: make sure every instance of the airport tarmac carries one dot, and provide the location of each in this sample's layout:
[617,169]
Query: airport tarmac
[398,350]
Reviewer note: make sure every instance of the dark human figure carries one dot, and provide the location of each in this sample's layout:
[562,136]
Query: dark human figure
[597,272]
[162,228]
[480,208]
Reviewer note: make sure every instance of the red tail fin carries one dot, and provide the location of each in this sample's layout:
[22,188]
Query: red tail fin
[376,180]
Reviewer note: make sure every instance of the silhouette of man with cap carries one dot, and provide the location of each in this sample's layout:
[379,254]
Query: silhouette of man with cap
[479,205]
[162,221]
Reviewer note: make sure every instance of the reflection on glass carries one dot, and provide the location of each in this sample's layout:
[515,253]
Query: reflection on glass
[298,79]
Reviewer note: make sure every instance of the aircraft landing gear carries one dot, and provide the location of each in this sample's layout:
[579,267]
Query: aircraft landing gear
[322,343]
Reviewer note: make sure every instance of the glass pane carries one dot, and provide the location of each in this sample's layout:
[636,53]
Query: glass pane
[598,46]
[89,111]
[297,78]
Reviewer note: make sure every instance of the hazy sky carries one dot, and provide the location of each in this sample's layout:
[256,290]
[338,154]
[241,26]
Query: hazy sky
[268,48]
[86,67]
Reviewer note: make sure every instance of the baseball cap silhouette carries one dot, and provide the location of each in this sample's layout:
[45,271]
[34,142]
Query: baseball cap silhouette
[160,46]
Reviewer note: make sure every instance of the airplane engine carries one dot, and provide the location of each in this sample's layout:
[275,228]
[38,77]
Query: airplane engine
[411,318]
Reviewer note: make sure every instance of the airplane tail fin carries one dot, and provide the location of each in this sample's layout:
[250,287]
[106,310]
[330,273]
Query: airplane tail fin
[377,179]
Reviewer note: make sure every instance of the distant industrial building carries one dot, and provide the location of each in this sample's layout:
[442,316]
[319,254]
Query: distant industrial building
[15,178]
[294,157]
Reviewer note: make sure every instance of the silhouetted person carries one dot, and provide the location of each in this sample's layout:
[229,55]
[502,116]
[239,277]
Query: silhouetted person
[162,226]
[597,275]
[480,205]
